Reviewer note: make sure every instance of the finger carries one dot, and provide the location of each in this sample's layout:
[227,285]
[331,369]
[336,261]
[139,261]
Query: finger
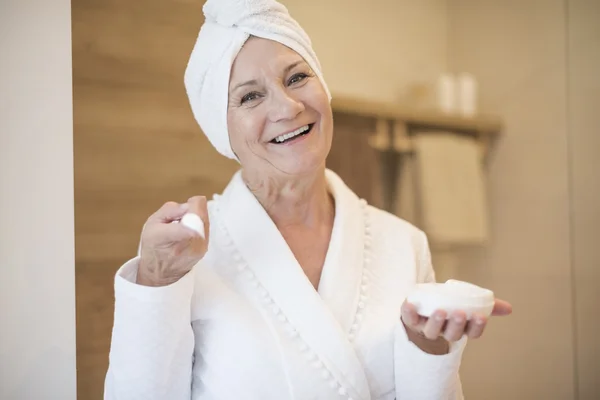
[198,206]
[409,315]
[187,237]
[184,241]
[476,326]
[169,212]
[435,325]
[455,328]
[501,308]
[177,233]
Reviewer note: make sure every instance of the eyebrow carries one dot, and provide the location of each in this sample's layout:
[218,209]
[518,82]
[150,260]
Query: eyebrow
[247,83]
[254,81]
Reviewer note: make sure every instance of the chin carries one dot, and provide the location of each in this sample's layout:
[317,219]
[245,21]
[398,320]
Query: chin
[301,164]
[304,161]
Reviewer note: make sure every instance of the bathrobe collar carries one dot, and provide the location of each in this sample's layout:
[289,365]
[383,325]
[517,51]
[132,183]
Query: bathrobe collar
[326,319]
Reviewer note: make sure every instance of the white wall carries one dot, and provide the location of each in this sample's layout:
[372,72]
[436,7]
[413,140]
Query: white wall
[37,276]
[375,49]
[517,49]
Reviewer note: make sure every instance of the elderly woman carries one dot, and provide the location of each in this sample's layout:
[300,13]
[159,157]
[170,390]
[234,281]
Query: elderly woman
[297,288]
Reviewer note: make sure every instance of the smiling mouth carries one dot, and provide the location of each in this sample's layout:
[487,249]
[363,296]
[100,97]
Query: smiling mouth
[289,137]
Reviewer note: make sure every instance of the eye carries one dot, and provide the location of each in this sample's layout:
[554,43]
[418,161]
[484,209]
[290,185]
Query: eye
[249,97]
[297,78]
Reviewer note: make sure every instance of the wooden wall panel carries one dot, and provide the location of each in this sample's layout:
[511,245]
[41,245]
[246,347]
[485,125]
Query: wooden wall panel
[352,157]
[137,145]
[583,64]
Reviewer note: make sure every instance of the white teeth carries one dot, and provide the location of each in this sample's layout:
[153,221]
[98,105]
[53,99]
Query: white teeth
[287,136]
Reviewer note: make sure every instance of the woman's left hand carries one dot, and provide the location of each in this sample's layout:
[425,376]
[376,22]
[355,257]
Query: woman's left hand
[452,327]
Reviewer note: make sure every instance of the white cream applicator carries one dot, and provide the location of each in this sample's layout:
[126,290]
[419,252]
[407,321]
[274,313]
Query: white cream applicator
[193,222]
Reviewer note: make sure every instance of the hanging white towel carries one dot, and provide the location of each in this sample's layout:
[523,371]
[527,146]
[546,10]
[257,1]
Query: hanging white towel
[450,187]
[406,202]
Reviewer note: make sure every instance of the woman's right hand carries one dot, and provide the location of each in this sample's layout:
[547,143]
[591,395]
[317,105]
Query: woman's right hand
[169,251]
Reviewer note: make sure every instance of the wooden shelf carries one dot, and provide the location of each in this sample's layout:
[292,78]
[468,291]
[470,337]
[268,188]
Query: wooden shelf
[396,123]
[482,124]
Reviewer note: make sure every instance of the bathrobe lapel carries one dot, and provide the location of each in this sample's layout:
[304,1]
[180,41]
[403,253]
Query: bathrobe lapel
[339,287]
[322,319]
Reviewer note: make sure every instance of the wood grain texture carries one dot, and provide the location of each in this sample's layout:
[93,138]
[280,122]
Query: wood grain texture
[137,145]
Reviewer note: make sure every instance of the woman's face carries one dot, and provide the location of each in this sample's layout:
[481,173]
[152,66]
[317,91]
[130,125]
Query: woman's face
[279,116]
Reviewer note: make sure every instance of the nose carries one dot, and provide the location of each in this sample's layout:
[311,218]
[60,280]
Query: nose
[284,106]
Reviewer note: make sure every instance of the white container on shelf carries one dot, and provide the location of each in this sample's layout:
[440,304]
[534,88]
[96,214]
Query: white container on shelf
[446,93]
[467,94]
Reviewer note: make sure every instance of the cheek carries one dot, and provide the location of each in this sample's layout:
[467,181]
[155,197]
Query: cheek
[323,107]
[320,102]
[244,128]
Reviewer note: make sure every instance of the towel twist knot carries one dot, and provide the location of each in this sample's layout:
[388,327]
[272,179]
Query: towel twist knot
[230,13]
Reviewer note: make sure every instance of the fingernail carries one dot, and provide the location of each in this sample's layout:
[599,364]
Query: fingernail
[458,320]
[439,317]
[184,206]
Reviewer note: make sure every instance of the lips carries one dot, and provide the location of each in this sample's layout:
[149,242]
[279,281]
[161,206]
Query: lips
[288,137]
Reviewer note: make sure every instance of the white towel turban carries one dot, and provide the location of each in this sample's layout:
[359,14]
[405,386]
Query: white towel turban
[228,24]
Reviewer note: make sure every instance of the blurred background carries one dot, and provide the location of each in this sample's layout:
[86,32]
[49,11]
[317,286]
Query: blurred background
[396,68]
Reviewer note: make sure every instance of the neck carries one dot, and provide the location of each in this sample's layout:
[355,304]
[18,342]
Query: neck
[293,201]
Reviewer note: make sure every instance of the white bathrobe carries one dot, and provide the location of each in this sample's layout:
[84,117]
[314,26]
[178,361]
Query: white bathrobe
[246,323]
